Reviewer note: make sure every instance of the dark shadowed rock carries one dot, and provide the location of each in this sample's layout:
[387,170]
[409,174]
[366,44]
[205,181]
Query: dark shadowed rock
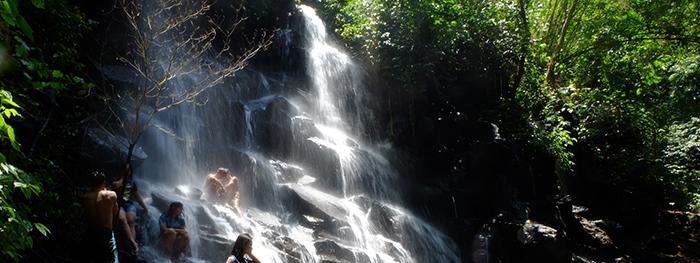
[216,246]
[384,219]
[111,149]
[275,122]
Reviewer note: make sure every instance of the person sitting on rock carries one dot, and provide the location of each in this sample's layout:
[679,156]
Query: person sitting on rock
[223,187]
[130,203]
[242,251]
[173,236]
[100,207]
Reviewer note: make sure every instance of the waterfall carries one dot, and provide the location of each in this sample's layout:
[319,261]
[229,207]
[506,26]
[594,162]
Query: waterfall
[313,186]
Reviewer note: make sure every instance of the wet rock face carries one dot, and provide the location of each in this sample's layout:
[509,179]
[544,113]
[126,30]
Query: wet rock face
[534,233]
[293,252]
[287,173]
[385,220]
[111,149]
[217,246]
[330,252]
[276,127]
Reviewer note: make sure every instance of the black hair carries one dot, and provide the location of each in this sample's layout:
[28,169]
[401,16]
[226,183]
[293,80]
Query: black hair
[97,179]
[239,245]
[173,206]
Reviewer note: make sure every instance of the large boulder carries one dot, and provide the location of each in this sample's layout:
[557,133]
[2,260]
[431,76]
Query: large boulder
[275,121]
[110,149]
[216,246]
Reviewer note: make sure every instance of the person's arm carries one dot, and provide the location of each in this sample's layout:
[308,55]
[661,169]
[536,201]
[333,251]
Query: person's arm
[163,227]
[255,259]
[181,230]
[139,200]
[115,204]
[236,203]
[213,186]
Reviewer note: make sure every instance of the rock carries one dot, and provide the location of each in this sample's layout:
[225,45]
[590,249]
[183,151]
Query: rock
[329,251]
[188,192]
[597,233]
[216,246]
[310,201]
[111,149]
[287,173]
[533,233]
[290,249]
[322,162]
[275,127]
[159,201]
[505,239]
[581,259]
[384,219]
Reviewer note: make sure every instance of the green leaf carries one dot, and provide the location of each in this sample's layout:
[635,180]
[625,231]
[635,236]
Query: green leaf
[57,74]
[9,11]
[10,102]
[24,26]
[20,185]
[11,135]
[42,229]
[38,3]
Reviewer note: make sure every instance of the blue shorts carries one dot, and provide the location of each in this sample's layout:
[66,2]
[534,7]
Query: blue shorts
[132,207]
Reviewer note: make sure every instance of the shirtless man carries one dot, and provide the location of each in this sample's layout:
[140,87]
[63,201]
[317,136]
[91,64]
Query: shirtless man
[100,208]
[222,187]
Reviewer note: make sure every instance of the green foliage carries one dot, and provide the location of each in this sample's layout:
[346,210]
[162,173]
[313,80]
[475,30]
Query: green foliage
[624,74]
[39,65]
[15,186]
[682,159]
[606,79]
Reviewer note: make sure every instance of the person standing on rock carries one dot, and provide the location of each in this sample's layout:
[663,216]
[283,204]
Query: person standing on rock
[100,208]
[173,235]
[130,203]
[223,187]
[242,251]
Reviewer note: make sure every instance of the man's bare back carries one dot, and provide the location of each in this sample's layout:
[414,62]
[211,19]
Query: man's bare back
[100,207]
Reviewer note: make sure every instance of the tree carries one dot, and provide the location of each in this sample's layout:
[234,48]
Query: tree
[177,50]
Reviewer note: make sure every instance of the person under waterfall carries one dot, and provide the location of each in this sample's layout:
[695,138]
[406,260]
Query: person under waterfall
[223,187]
[242,251]
[173,237]
[130,203]
[100,207]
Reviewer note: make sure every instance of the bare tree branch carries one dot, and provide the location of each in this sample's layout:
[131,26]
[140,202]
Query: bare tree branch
[171,41]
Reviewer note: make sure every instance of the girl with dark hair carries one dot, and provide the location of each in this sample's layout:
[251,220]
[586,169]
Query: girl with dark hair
[174,238]
[242,248]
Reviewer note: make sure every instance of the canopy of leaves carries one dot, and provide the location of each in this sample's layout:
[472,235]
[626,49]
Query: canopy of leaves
[604,83]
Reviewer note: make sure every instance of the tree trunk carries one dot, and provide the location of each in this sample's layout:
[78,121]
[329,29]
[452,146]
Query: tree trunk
[524,43]
[560,43]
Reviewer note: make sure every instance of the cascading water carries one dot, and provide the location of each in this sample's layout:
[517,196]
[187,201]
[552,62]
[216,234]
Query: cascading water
[312,189]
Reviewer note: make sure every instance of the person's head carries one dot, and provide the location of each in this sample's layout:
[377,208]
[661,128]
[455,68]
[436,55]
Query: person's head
[97,179]
[222,171]
[175,209]
[242,246]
